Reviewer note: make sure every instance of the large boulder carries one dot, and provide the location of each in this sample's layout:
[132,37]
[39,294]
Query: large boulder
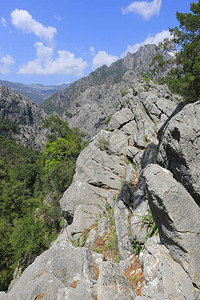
[164,278]
[58,272]
[177,217]
[179,144]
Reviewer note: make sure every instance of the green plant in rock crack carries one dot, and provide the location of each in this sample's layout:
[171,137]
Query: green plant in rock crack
[151,228]
[148,222]
[107,120]
[103,143]
[81,240]
[110,238]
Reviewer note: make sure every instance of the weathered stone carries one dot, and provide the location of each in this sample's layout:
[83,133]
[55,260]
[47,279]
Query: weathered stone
[130,128]
[118,142]
[113,285]
[80,193]
[55,269]
[134,154]
[84,216]
[4,296]
[179,148]
[131,174]
[138,227]
[120,118]
[165,278]
[121,214]
[177,217]
[103,226]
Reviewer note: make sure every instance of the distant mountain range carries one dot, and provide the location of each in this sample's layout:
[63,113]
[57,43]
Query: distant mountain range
[136,63]
[35,92]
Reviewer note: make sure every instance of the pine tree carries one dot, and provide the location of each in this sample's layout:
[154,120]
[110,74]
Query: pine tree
[184,76]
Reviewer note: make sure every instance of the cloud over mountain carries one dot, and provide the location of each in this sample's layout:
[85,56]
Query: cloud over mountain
[103,58]
[156,39]
[65,63]
[144,8]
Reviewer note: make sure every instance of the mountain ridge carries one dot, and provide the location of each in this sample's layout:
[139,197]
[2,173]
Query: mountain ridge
[137,62]
[35,92]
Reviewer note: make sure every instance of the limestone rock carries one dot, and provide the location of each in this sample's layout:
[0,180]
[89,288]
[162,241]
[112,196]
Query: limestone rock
[121,213]
[56,271]
[177,217]
[112,284]
[138,228]
[179,148]
[120,118]
[165,278]
[27,115]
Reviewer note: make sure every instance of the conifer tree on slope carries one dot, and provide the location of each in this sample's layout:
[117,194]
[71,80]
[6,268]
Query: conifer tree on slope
[184,76]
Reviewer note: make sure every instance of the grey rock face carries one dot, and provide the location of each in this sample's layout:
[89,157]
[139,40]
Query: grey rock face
[56,272]
[177,217]
[120,118]
[165,278]
[98,177]
[139,230]
[122,228]
[134,64]
[170,268]
[126,194]
[179,148]
[112,285]
[27,115]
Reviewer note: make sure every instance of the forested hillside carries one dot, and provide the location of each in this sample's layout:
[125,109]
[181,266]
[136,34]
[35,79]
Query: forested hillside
[31,185]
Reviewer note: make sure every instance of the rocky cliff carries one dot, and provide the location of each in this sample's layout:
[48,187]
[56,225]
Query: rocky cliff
[27,115]
[147,161]
[100,82]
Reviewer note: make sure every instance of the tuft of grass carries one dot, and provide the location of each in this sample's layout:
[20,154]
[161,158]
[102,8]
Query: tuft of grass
[148,222]
[103,143]
[107,120]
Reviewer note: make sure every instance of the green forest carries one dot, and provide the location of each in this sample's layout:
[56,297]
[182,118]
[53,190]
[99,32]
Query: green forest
[31,185]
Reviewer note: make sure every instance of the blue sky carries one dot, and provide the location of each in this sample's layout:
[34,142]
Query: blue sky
[50,42]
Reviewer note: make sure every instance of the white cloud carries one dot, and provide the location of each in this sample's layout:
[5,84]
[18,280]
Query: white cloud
[22,20]
[144,8]
[5,63]
[103,58]
[159,37]
[65,63]
[3,22]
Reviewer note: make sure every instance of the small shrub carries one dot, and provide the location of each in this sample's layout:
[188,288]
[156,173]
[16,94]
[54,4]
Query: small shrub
[103,143]
[148,222]
[107,120]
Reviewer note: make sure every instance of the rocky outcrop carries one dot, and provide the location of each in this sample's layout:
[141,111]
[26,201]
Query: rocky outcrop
[179,148]
[178,218]
[98,84]
[164,278]
[121,177]
[26,114]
